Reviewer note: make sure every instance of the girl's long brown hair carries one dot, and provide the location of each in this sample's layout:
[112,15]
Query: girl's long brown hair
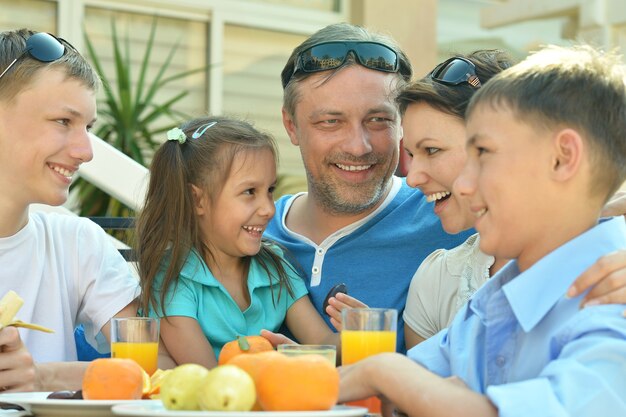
[167,229]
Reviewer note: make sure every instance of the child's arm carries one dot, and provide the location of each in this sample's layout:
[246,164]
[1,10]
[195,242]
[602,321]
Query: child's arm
[185,341]
[412,388]
[308,326]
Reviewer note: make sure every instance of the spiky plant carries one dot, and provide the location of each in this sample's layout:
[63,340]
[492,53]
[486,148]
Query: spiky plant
[129,116]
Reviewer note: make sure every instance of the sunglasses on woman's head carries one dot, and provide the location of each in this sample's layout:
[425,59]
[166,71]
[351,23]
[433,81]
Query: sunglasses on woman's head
[455,71]
[331,55]
[41,46]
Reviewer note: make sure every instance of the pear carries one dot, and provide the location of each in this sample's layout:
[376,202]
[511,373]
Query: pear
[227,388]
[179,388]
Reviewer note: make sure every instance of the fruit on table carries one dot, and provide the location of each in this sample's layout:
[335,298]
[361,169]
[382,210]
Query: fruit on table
[254,364]
[299,383]
[179,388]
[156,379]
[113,379]
[227,388]
[243,344]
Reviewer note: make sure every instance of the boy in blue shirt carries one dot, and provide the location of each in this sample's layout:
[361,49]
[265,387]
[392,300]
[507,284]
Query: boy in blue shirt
[546,148]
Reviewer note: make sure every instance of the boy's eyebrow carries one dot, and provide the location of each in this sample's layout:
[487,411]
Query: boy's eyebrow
[77,114]
[471,141]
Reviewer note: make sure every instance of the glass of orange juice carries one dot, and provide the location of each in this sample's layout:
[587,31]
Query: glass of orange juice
[136,338]
[366,332]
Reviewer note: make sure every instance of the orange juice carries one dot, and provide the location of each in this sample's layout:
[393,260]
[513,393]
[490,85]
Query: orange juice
[359,344]
[145,354]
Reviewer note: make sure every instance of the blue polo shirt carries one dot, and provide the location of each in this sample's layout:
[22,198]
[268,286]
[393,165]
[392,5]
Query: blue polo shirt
[532,350]
[199,295]
[376,257]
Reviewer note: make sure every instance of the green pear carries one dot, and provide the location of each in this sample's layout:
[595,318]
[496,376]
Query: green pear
[227,388]
[179,389]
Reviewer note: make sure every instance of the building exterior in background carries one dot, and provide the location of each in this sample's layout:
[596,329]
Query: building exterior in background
[245,43]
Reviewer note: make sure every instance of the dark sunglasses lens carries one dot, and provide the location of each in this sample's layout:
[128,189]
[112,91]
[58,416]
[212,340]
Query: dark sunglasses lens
[454,71]
[323,57]
[44,47]
[377,56]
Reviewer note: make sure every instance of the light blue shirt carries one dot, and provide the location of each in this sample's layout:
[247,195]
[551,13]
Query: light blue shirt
[530,349]
[199,295]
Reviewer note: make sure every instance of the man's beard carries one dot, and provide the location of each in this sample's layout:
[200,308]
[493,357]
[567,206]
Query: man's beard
[342,198]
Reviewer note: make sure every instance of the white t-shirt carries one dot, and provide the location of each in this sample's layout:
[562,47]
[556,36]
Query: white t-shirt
[442,285]
[68,273]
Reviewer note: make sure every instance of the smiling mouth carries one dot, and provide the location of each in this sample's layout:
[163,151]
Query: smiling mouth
[480,213]
[438,197]
[254,230]
[353,168]
[63,171]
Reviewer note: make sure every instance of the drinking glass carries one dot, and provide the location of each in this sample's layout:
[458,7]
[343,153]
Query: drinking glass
[366,332]
[136,338]
[327,351]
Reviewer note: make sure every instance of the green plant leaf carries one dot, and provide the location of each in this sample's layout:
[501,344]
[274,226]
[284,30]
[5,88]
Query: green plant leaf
[130,118]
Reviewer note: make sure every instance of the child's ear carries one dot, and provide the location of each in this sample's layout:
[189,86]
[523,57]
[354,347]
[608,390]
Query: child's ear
[199,202]
[290,127]
[568,154]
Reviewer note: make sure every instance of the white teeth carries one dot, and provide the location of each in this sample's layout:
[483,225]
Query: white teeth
[65,172]
[437,196]
[253,229]
[353,167]
[481,213]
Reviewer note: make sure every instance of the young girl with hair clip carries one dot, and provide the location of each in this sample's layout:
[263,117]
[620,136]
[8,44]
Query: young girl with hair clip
[203,264]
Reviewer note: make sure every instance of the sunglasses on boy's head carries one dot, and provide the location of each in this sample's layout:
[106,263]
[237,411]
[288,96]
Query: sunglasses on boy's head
[331,55]
[42,47]
[455,71]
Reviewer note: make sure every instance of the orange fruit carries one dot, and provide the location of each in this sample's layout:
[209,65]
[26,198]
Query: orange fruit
[299,383]
[254,364]
[241,345]
[113,379]
[155,384]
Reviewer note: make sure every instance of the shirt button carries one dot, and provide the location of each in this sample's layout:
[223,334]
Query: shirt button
[320,251]
[500,361]
[315,270]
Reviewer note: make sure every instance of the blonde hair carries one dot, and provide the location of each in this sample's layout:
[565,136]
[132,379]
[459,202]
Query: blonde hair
[24,71]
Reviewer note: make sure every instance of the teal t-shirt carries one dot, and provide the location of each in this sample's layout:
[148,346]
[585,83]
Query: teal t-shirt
[199,295]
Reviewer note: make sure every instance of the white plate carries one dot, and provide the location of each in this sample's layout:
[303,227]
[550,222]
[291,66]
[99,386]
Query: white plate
[155,408]
[38,403]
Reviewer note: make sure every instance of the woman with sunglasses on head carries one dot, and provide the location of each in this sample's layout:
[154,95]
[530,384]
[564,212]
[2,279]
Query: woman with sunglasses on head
[64,267]
[433,111]
[204,266]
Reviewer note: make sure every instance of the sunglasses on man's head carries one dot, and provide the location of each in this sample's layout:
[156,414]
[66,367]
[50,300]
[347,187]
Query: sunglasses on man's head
[331,55]
[455,71]
[41,46]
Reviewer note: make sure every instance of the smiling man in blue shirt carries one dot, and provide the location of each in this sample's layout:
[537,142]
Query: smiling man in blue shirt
[520,346]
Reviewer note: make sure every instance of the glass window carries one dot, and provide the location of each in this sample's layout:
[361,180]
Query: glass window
[323,5]
[253,60]
[37,15]
[188,37]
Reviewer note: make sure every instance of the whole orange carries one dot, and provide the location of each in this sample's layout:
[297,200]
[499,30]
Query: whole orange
[254,364]
[113,379]
[243,344]
[299,383]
